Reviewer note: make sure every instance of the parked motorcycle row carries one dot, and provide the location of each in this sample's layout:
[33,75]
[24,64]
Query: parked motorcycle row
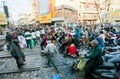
[110,69]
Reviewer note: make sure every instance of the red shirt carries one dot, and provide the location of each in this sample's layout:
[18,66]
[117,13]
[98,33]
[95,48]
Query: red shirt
[72,50]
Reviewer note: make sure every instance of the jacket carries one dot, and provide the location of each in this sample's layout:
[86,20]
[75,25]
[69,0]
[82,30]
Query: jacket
[96,55]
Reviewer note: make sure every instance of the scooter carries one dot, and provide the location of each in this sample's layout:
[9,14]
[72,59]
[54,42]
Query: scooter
[105,71]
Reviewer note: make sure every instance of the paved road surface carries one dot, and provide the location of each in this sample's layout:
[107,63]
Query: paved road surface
[36,67]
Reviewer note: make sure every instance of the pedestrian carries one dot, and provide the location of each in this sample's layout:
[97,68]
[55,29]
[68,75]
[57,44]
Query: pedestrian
[34,37]
[37,33]
[86,40]
[8,39]
[51,50]
[22,40]
[42,42]
[14,35]
[42,32]
[102,36]
[100,41]
[54,37]
[28,38]
[45,37]
[17,53]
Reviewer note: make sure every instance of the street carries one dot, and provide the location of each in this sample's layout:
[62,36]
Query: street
[35,66]
[60,39]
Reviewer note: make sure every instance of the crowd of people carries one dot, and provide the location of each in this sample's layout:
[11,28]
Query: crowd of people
[63,40]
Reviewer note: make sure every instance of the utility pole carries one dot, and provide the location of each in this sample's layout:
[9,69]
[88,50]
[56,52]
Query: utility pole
[3,3]
[98,12]
[5,9]
[6,12]
[108,5]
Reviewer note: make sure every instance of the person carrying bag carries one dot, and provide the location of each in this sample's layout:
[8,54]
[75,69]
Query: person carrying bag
[81,64]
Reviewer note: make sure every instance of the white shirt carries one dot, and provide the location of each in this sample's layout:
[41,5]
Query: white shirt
[102,36]
[28,35]
[51,48]
[33,35]
[37,33]
[42,32]
[22,41]
[86,33]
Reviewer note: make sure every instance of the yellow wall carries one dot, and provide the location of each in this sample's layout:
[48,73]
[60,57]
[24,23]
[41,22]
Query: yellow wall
[3,20]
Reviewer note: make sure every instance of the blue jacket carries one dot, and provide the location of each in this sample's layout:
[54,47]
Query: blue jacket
[101,43]
[78,33]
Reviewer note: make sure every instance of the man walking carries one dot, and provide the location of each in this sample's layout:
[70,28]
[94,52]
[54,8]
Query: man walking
[28,38]
[51,51]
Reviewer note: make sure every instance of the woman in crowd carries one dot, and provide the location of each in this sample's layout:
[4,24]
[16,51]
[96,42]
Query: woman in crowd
[17,53]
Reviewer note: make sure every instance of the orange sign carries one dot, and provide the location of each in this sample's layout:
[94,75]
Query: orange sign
[48,12]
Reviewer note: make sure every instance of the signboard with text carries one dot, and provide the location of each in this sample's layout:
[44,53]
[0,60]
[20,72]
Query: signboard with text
[47,10]
[3,20]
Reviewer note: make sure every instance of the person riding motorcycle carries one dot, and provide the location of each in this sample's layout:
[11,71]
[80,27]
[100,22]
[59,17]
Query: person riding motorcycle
[95,59]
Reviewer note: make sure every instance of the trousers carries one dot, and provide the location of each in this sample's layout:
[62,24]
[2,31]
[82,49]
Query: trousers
[89,68]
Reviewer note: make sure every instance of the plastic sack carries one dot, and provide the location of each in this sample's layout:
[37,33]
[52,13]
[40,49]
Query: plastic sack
[32,42]
[81,64]
[57,77]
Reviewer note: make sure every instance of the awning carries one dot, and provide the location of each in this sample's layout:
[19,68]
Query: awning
[58,19]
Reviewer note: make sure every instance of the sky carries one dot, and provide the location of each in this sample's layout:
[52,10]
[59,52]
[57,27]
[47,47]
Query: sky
[17,7]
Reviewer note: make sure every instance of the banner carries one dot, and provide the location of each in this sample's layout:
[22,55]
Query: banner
[3,20]
[113,15]
[47,10]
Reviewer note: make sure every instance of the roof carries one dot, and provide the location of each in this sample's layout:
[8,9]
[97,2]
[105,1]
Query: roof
[65,6]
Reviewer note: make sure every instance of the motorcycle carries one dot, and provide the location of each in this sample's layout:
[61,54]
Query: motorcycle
[105,71]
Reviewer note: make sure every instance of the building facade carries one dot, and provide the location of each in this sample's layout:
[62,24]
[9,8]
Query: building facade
[88,11]
[112,11]
[24,19]
[65,15]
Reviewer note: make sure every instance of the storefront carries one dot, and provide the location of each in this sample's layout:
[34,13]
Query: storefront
[58,21]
